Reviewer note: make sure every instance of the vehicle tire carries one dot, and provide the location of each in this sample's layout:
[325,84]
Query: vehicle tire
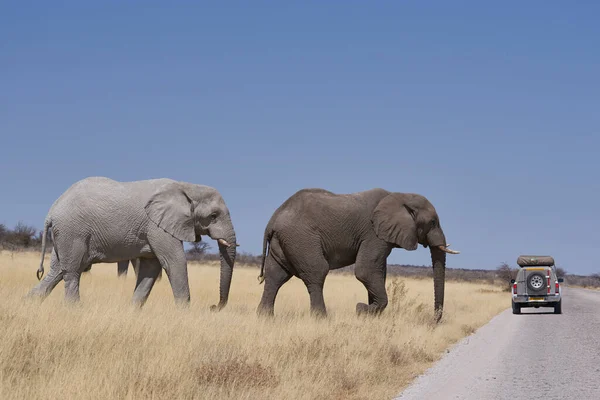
[536,282]
[516,308]
[558,307]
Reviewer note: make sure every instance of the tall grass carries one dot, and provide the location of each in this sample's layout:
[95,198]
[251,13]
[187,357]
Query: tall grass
[101,348]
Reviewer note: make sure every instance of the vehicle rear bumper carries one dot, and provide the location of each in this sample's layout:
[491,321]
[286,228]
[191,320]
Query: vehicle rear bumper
[525,300]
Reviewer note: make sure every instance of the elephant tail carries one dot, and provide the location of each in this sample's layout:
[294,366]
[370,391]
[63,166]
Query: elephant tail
[266,240]
[47,226]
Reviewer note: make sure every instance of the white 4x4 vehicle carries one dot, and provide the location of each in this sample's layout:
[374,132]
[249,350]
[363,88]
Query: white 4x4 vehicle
[537,284]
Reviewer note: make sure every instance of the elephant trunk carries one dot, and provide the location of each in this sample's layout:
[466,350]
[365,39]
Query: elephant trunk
[438,259]
[227,253]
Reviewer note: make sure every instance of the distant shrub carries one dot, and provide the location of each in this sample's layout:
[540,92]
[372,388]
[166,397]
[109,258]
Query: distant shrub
[248,258]
[560,272]
[198,252]
[505,274]
[21,237]
[586,281]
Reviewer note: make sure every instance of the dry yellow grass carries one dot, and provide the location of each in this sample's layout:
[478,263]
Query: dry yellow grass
[103,349]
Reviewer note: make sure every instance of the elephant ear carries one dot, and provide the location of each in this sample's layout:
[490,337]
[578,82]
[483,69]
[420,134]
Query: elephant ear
[171,209]
[394,222]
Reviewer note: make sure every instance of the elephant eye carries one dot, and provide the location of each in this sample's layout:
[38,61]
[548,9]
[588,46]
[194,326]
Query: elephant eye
[213,216]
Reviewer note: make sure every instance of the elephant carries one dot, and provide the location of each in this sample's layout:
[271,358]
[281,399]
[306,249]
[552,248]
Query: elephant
[123,267]
[100,220]
[316,230]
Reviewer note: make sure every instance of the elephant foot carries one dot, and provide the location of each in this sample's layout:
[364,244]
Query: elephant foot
[138,302]
[267,312]
[318,313]
[182,304]
[438,316]
[34,296]
[362,308]
[368,309]
[73,303]
[217,307]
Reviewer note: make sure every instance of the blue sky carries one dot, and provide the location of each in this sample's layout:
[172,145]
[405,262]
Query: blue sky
[490,110]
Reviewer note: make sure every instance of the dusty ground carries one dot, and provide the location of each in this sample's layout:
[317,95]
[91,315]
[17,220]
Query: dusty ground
[103,349]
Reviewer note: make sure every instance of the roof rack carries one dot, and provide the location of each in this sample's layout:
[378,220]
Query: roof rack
[537,261]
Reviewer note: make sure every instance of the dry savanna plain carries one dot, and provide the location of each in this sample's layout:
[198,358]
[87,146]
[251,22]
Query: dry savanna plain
[102,348]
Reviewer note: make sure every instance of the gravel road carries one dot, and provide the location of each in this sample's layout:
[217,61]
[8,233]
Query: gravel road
[533,355]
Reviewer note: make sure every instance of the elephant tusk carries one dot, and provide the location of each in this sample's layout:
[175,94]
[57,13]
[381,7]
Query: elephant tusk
[225,243]
[445,249]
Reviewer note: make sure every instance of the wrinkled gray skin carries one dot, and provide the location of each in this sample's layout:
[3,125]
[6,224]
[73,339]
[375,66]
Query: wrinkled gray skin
[315,231]
[99,220]
[123,267]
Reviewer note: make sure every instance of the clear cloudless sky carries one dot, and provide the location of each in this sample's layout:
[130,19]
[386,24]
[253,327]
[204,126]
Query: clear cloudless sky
[490,109]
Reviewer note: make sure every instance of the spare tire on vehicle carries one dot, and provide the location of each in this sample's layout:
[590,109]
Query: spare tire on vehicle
[536,282]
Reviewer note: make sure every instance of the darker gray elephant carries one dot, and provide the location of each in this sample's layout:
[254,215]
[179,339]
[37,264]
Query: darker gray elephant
[99,220]
[123,267]
[315,231]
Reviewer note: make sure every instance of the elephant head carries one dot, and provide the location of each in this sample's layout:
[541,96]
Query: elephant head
[407,220]
[188,211]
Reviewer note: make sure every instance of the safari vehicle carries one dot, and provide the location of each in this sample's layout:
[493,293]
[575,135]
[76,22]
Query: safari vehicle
[537,284]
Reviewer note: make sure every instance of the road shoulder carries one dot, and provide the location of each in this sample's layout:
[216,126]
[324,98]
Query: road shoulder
[458,370]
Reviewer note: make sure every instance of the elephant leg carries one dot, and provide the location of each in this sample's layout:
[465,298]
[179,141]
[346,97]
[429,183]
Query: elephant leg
[148,271]
[72,279]
[370,270]
[49,282]
[178,278]
[312,268]
[171,255]
[275,277]
[314,279]
[370,295]
[73,262]
[122,267]
[317,302]
[135,263]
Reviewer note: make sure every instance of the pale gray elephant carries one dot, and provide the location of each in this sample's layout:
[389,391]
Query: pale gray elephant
[315,231]
[99,220]
[123,267]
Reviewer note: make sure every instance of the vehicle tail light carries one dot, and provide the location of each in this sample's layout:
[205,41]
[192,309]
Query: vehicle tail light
[557,287]
[515,288]
[548,277]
